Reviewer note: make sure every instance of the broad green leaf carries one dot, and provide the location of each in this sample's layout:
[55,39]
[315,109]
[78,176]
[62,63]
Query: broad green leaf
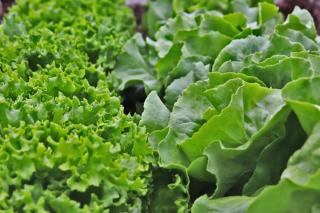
[300,20]
[134,68]
[279,72]
[156,137]
[239,157]
[233,55]
[166,34]
[222,24]
[198,65]
[197,169]
[185,119]
[297,191]
[155,115]
[175,89]
[256,119]
[217,129]
[266,12]
[273,159]
[209,44]
[158,13]
[299,37]
[285,197]
[303,98]
[303,165]
[169,61]
[225,205]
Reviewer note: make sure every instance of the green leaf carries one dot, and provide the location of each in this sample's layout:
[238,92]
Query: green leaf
[233,55]
[303,98]
[155,115]
[266,12]
[285,197]
[158,13]
[209,44]
[166,34]
[300,20]
[277,73]
[184,120]
[133,68]
[217,129]
[303,164]
[166,194]
[175,89]
[169,61]
[13,28]
[225,205]
[273,159]
[62,204]
[225,25]
[65,143]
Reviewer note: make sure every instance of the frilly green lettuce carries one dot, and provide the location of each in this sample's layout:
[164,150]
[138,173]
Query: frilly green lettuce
[65,143]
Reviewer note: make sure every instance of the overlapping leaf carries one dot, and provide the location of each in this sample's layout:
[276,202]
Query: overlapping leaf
[217,127]
[185,47]
[233,130]
[297,191]
[65,143]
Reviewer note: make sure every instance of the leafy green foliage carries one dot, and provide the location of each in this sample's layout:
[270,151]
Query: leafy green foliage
[231,117]
[199,139]
[297,191]
[184,49]
[233,104]
[65,143]
[277,59]
[68,145]
[223,5]
[91,33]
[302,96]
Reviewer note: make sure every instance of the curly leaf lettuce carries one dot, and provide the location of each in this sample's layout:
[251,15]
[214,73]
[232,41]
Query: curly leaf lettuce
[65,143]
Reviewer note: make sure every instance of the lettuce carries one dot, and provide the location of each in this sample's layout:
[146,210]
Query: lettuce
[198,140]
[90,32]
[185,48]
[233,106]
[223,6]
[68,145]
[298,189]
[277,59]
[230,119]
[302,97]
[65,143]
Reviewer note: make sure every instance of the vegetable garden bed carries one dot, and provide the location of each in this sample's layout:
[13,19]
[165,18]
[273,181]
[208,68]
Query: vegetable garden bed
[214,108]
